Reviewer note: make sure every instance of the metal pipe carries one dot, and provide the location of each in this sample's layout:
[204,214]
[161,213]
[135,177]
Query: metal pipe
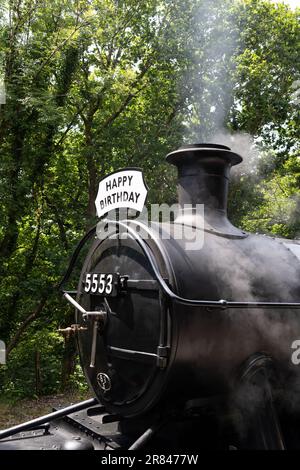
[94,344]
[73,302]
[49,417]
[146,436]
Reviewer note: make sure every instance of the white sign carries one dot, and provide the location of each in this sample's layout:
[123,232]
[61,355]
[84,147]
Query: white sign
[125,188]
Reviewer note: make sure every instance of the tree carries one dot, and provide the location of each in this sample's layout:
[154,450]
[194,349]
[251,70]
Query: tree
[266,106]
[91,87]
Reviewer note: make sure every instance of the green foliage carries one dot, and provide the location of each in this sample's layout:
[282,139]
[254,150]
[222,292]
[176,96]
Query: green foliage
[93,86]
[265,105]
[266,70]
[20,375]
[278,212]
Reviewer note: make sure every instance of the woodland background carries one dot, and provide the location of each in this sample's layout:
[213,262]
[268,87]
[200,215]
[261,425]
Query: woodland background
[91,86]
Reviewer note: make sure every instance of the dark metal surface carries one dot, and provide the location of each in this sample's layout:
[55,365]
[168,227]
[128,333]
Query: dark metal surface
[223,304]
[202,426]
[37,422]
[262,428]
[199,339]
[75,431]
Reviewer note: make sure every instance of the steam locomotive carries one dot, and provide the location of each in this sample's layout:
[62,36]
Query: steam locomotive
[184,344]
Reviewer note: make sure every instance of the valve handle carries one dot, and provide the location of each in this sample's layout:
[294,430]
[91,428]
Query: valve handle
[98,318]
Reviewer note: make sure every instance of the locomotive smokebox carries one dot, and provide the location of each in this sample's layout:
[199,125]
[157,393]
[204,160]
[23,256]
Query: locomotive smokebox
[157,345]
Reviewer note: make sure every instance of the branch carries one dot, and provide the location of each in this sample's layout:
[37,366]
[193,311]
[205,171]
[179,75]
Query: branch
[62,232]
[93,109]
[16,338]
[32,255]
[77,28]
[69,127]
[128,99]
[160,128]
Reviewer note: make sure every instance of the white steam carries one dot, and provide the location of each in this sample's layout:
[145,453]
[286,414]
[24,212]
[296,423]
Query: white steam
[209,80]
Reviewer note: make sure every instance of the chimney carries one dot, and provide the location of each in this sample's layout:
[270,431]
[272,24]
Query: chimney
[203,177]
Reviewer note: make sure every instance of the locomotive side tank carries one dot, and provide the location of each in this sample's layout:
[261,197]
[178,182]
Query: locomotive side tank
[150,343]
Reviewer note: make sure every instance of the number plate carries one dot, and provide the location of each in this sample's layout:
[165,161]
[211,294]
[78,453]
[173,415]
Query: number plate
[100,284]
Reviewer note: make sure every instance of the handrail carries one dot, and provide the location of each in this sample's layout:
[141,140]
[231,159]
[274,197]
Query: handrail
[204,303]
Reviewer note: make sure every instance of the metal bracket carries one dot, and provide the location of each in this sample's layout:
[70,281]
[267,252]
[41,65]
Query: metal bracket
[162,356]
[72,329]
[122,283]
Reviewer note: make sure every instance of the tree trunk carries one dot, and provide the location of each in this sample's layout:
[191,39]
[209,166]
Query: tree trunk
[91,209]
[68,362]
[38,382]
[92,169]
[16,338]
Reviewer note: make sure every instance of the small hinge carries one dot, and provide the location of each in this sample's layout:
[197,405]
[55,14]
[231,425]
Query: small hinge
[163,351]
[162,356]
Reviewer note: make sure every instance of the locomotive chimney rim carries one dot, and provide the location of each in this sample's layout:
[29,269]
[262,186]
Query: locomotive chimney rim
[203,154]
[203,174]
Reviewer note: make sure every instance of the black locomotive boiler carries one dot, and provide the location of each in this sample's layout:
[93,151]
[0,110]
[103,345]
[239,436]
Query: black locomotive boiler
[173,335]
